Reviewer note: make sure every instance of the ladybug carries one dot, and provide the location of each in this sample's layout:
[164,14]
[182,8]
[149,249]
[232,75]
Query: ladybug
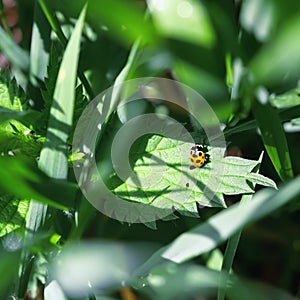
[198,156]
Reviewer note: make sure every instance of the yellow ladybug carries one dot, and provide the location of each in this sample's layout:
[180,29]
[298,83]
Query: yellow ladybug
[198,156]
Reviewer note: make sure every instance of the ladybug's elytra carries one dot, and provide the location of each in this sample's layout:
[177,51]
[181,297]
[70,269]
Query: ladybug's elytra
[198,156]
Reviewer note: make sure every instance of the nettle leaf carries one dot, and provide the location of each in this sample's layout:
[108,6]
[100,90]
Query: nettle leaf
[162,176]
[15,119]
[11,95]
[50,81]
[80,103]
[12,213]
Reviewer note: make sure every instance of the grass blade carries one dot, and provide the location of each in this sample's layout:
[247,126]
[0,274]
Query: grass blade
[50,15]
[54,157]
[230,251]
[208,235]
[54,160]
[274,139]
[40,46]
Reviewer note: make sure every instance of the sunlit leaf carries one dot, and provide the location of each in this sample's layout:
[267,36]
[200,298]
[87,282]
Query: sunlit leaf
[53,159]
[40,44]
[12,213]
[11,95]
[16,118]
[179,186]
[183,20]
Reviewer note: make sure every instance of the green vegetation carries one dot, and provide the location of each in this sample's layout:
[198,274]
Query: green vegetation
[159,229]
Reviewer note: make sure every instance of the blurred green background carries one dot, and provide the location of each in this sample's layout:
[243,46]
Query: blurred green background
[242,56]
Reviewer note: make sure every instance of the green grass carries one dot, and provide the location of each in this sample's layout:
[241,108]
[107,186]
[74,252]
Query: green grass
[113,210]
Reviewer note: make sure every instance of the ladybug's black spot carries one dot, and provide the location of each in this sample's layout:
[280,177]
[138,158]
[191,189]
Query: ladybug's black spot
[194,155]
[197,161]
[192,160]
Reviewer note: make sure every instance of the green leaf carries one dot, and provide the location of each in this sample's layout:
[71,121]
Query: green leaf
[34,184]
[231,247]
[39,54]
[54,155]
[48,92]
[9,263]
[285,115]
[209,86]
[208,235]
[180,187]
[288,99]
[50,14]
[13,98]
[54,159]
[124,19]
[274,139]
[14,53]
[284,50]
[11,95]
[27,117]
[12,213]
[183,20]
[15,119]
[171,281]
[166,281]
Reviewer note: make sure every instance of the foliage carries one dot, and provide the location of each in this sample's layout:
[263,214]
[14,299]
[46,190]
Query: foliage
[242,57]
